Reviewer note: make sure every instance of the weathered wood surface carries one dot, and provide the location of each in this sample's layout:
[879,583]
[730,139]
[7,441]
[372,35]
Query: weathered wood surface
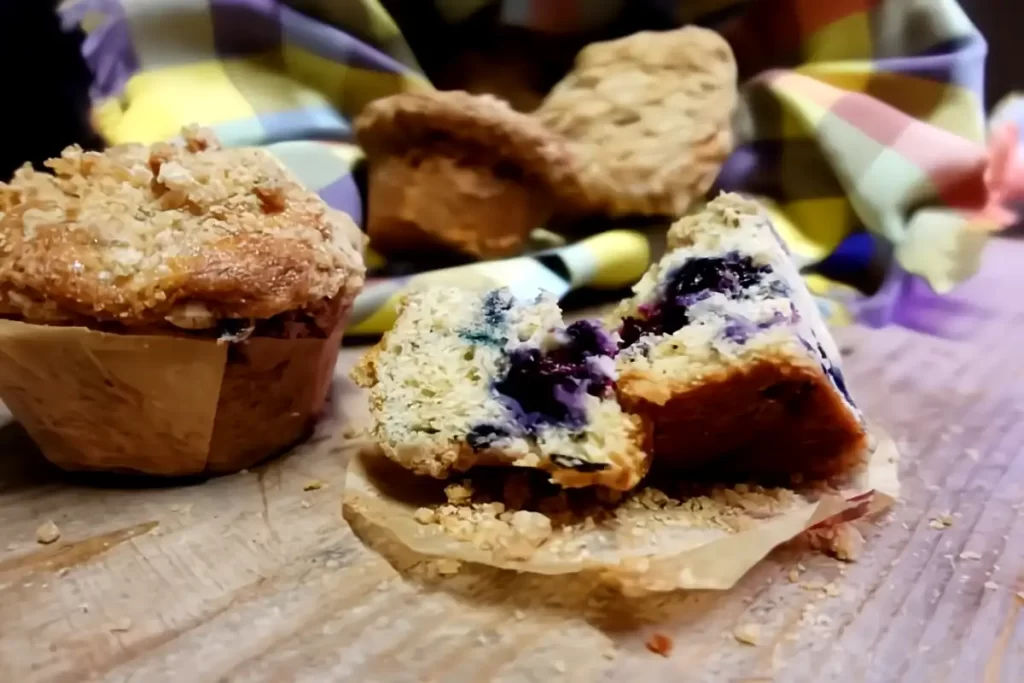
[251,578]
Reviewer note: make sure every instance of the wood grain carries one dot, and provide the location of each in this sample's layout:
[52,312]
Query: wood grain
[251,578]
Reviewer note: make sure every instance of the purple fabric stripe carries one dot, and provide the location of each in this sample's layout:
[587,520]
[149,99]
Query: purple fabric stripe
[245,27]
[343,194]
[960,62]
[313,123]
[334,44]
[108,50]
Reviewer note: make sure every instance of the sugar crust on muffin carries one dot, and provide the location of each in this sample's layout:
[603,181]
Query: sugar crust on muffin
[179,235]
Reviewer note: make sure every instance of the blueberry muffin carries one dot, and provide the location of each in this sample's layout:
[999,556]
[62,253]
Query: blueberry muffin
[724,351]
[467,378]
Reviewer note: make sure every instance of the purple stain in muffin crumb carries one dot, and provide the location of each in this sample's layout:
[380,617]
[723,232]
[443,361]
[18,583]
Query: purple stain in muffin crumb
[696,279]
[550,388]
[490,332]
[835,374]
[739,328]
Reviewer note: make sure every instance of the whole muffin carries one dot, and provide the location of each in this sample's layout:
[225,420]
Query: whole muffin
[172,309]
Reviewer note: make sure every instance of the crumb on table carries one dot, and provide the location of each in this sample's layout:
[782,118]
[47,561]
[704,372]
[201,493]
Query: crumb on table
[47,533]
[748,634]
[660,644]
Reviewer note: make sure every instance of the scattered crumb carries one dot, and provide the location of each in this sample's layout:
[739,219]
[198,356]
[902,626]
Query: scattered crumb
[47,533]
[353,432]
[425,516]
[972,453]
[11,547]
[943,521]
[831,589]
[610,654]
[332,564]
[382,586]
[306,504]
[174,508]
[519,614]
[968,555]
[559,666]
[63,571]
[992,585]
[448,566]
[842,541]
[121,625]
[1020,595]
[243,471]
[748,634]
[459,493]
[315,485]
[660,644]
[84,607]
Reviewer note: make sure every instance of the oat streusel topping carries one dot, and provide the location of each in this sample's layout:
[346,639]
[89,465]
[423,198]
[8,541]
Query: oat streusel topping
[187,234]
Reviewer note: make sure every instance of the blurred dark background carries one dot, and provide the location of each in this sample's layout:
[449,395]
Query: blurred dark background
[45,82]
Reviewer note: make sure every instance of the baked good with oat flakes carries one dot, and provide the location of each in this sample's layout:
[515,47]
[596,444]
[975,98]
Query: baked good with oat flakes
[724,351]
[461,172]
[648,117]
[468,378]
[183,305]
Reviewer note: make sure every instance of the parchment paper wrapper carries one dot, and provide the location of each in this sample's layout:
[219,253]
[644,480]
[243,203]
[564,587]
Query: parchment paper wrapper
[161,405]
[663,557]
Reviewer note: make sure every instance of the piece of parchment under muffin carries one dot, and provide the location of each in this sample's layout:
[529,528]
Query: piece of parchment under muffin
[725,352]
[171,309]
[468,378]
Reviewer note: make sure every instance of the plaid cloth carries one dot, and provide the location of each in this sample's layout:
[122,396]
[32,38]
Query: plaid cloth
[860,126]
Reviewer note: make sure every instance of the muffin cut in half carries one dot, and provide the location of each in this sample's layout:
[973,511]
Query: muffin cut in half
[725,353]
[172,309]
[468,378]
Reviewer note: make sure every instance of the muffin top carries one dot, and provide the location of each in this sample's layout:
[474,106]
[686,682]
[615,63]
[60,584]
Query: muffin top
[480,127]
[183,234]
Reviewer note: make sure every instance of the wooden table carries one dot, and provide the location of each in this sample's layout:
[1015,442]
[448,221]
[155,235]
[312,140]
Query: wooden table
[251,577]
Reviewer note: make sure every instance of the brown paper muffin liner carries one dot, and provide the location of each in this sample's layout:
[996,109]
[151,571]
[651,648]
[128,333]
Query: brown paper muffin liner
[640,549]
[161,405]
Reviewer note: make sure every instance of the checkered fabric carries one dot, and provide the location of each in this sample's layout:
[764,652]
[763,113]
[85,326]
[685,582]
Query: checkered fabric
[861,125]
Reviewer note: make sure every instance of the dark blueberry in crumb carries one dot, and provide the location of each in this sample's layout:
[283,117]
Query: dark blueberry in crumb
[485,436]
[730,275]
[587,338]
[570,462]
[634,328]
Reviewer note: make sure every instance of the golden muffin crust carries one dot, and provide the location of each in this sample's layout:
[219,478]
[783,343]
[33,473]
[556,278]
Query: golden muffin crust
[648,118]
[184,234]
[482,127]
